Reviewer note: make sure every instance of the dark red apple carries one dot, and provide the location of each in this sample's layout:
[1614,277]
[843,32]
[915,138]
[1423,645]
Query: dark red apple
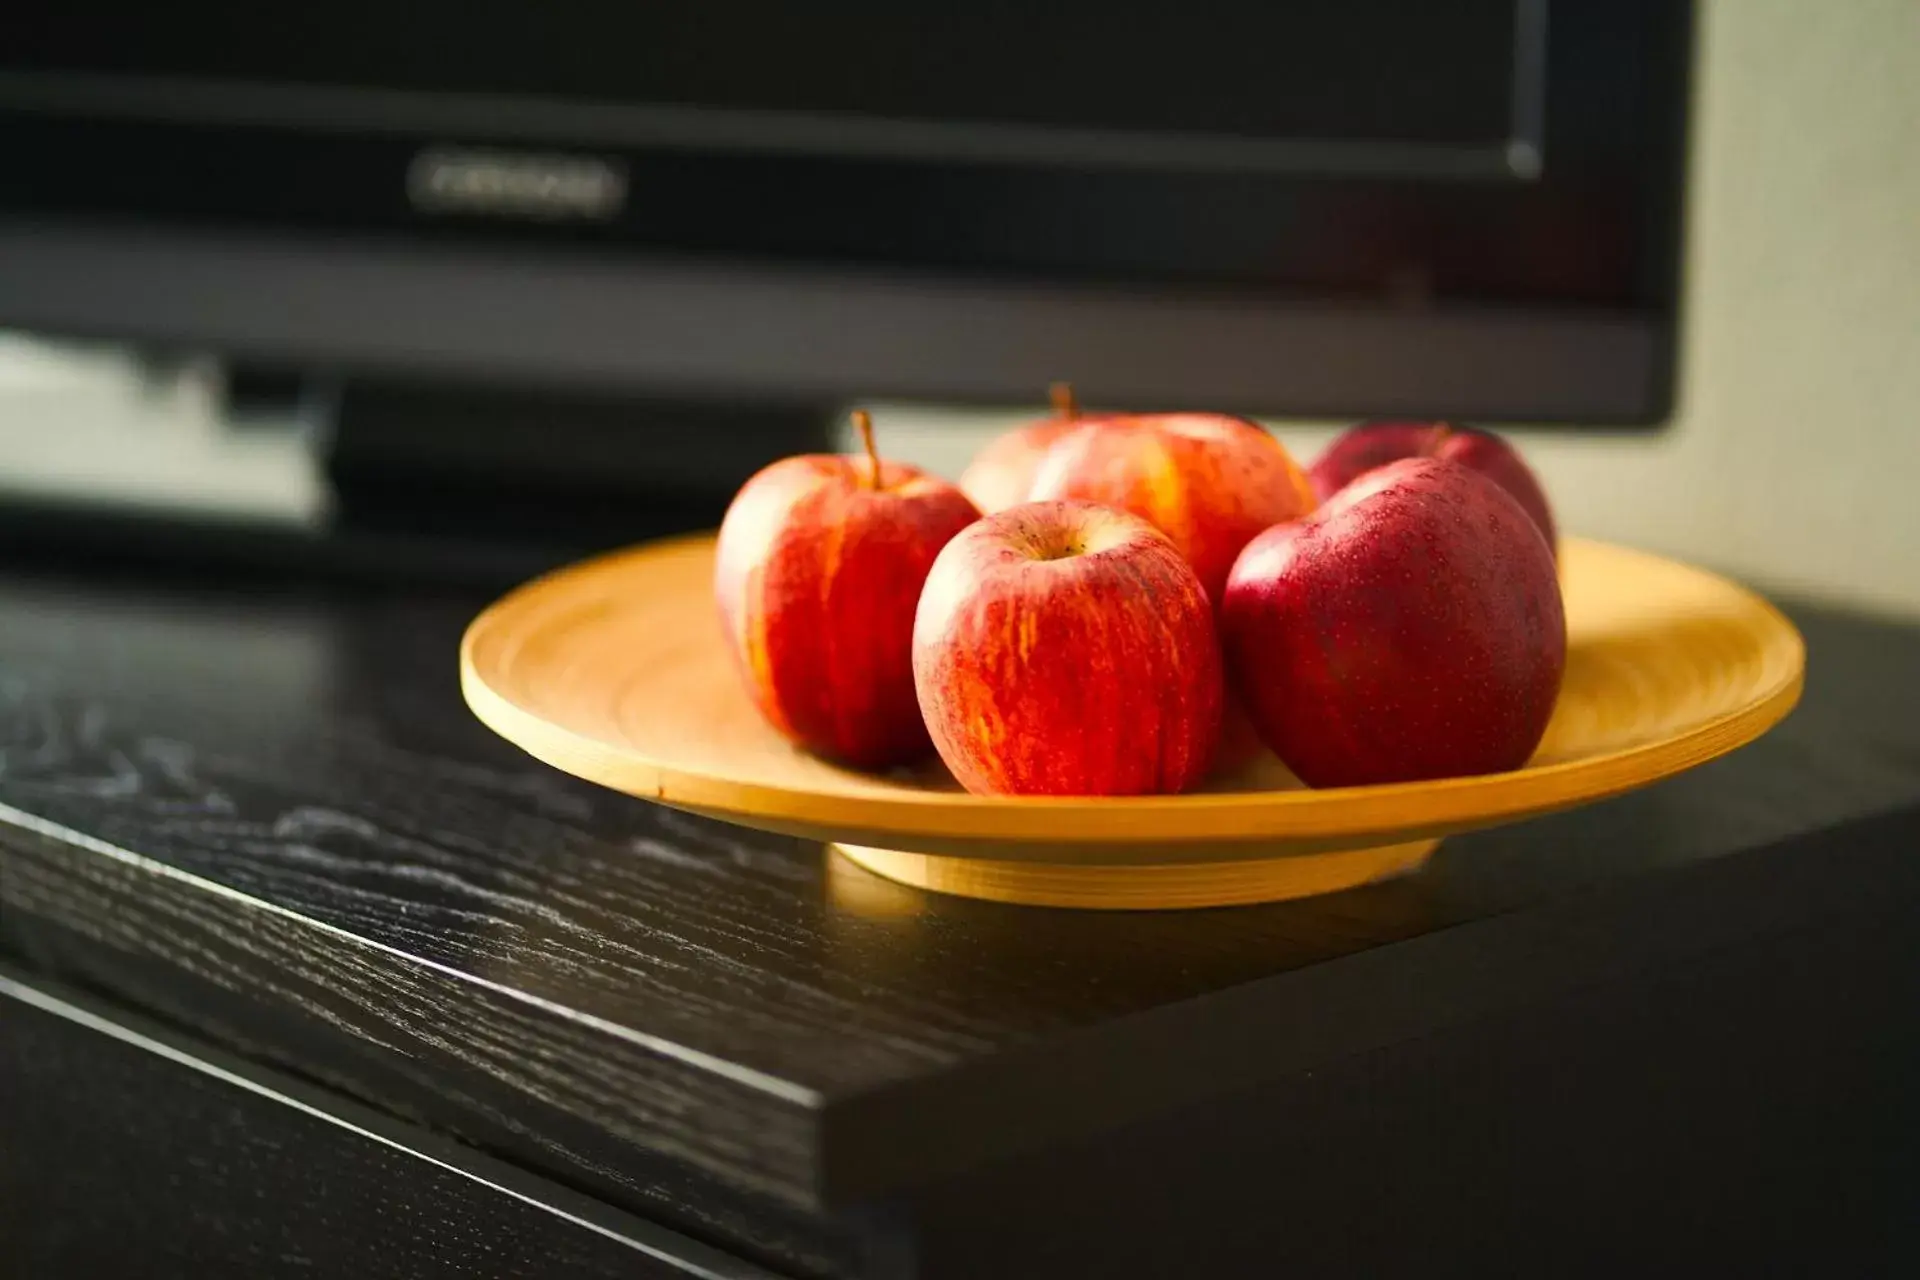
[818,571]
[1065,648]
[1207,481]
[1410,629]
[1000,474]
[1374,444]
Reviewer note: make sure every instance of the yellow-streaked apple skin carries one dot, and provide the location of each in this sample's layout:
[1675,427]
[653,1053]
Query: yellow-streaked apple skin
[1067,648]
[1211,483]
[817,574]
[1208,481]
[1002,472]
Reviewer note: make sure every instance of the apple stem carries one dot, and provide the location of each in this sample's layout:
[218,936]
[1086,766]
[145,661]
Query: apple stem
[863,423]
[1441,431]
[1065,403]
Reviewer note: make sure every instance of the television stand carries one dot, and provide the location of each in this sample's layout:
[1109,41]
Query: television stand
[560,468]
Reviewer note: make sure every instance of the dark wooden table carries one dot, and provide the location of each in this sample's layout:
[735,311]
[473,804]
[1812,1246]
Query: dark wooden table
[302,972]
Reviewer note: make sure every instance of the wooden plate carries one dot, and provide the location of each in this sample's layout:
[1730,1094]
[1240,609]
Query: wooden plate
[615,670]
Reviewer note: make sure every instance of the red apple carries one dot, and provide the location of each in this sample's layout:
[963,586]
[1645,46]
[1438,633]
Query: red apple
[1373,444]
[1065,648]
[1409,629]
[818,570]
[1207,481]
[1000,474]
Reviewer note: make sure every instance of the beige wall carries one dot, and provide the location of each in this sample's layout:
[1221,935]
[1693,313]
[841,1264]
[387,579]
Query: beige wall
[1795,455]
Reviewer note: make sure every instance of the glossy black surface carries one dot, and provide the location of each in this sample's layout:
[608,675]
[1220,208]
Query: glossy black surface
[1742,1108]
[1387,174]
[267,817]
[127,1153]
[1473,213]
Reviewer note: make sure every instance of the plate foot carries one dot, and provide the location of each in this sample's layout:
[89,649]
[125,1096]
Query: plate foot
[1143,888]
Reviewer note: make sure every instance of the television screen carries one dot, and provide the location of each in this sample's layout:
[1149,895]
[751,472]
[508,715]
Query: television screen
[1370,206]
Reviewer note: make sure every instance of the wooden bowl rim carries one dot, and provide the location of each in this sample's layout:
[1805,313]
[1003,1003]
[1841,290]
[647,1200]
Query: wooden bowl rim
[1393,810]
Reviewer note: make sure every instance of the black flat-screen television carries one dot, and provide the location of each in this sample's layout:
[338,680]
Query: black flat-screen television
[1321,207]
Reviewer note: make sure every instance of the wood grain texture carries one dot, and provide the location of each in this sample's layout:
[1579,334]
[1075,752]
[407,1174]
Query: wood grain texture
[270,818]
[129,1154]
[613,670]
